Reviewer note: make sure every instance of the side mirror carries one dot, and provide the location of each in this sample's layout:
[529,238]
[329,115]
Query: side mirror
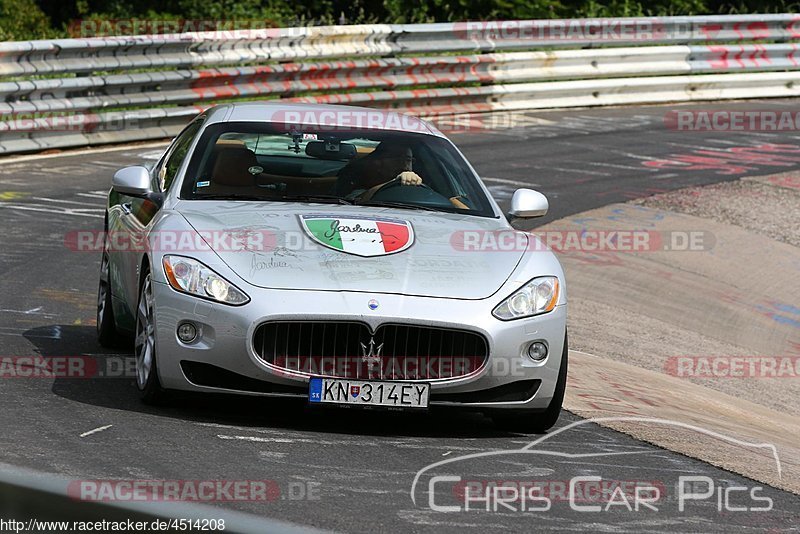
[527,204]
[133,181]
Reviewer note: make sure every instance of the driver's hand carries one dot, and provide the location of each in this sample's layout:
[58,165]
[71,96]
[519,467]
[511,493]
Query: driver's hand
[409,178]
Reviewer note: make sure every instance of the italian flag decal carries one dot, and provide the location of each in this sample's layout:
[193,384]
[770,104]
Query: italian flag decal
[362,236]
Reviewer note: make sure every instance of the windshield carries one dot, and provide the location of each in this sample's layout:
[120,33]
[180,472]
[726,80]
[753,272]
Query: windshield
[247,161]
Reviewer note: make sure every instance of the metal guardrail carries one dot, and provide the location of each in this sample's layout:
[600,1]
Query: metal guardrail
[76,92]
[282,44]
[41,502]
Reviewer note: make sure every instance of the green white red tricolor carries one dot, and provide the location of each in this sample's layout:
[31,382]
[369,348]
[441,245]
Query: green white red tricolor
[362,236]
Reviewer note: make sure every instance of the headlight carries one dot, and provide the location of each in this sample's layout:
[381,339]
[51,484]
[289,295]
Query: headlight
[190,276]
[540,295]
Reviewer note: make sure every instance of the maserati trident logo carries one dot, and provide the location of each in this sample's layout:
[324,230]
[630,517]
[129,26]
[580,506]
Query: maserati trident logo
[370,353]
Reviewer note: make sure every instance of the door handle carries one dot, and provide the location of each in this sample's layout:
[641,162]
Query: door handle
[126,207]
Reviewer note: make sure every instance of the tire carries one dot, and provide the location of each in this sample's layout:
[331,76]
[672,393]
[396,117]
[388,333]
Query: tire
[107,334]
[150,390]
[537,422]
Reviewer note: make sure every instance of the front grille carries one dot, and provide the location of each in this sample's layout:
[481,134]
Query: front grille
[351,350]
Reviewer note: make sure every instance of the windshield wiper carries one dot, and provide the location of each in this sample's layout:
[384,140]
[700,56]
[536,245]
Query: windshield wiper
[403,205]
[231,196]
[294,198]
[329,199]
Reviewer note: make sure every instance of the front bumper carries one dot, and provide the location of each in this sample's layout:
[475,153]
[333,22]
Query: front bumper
[226,333]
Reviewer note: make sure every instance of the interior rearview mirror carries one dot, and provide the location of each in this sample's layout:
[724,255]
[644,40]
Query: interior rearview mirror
[330,150]
[133,181]
[527,204]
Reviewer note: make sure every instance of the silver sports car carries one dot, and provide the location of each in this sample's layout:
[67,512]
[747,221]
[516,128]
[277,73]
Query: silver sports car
[342,255]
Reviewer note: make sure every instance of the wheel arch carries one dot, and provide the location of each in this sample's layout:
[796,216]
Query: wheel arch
[144,267]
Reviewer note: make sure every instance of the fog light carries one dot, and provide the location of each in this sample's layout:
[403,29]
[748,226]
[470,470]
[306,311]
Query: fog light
[187,332]
[537,351]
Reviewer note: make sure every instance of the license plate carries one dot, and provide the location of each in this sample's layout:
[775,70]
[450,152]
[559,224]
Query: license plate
[368,393]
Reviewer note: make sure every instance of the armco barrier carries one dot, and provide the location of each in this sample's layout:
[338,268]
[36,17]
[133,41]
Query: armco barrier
[78,92]
[35,501]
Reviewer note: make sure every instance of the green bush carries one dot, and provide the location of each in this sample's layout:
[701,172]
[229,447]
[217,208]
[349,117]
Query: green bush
[23,20]
[459,10]
[31,19]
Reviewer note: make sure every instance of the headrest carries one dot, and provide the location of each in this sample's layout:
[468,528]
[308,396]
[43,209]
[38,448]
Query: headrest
[229,142]
[232,164]
[387,148]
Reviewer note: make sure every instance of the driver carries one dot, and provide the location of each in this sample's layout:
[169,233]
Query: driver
[387,163]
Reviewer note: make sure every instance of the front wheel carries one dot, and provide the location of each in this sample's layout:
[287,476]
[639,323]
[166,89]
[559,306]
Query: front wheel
[106,328]
[150,389]
[530,422]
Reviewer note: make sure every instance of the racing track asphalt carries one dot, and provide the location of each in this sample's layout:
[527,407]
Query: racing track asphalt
[357,466]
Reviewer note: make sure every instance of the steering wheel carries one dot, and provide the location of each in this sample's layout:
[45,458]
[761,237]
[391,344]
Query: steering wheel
[393,183]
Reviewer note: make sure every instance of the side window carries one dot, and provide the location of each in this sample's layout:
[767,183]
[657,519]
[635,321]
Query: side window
[169,169]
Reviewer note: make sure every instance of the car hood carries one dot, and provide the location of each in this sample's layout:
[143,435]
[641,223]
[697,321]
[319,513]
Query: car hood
[274,248]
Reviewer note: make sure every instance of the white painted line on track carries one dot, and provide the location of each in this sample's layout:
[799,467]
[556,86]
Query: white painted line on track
[105,164]
[311,441]
[259,439]
[34,311]
[84,152]
[219,425]
[88,212]
[96,430]
[617,166]
[742,141]
[698,147]
[60,201]
[579,171]
[509,182]
[345,442]
[630,154]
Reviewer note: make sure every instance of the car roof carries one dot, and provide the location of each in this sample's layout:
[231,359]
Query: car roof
[320,114]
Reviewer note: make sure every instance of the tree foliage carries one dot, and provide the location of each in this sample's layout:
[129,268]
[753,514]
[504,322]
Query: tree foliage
[27,19]
[23,19]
